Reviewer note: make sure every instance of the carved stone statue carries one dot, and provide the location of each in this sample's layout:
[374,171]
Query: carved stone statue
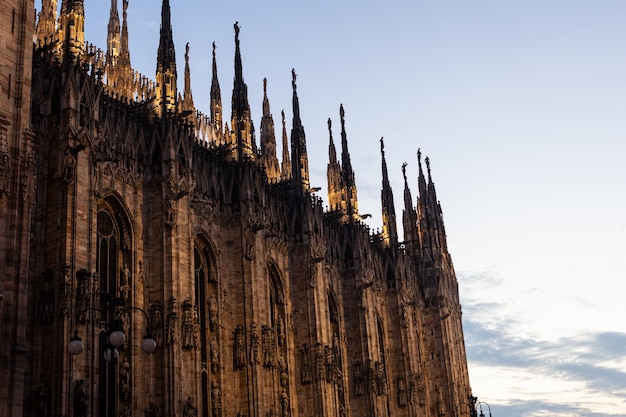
[284,404]
[81,399]
[189,410]
[305,368]
[239,348]
[254,344]
[215,355]
[212,304]
[216,399]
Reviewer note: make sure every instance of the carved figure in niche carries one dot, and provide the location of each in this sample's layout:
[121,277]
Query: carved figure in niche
[189,410]
[127,411]
[156,322]
[124,282]
[282,370]
[170,214]
[124,275]
[43,399]
[312,274]
[402,394]
[215,355]
[216,399]
[254,344]
[47,298]
[170,326]
[305,368]
[338,363]
[359,389]
[248,241]
[380,378]
[67,282]
[320,365]
[404,317]
[239,348]
[284,404]
[69,166]
[269,347]
[212,303]
[281,331]
[329,362]
[153,410]
[126,329]
[125,380]
[188,327]
[81,399]
[141,275]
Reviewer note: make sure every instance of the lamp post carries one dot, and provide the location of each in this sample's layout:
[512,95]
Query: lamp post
[480,405]
[114,331]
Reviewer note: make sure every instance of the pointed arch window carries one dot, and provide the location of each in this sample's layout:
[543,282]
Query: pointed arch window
[113,260]
[206,296]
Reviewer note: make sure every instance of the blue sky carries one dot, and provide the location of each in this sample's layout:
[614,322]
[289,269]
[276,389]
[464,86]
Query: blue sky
[519,104]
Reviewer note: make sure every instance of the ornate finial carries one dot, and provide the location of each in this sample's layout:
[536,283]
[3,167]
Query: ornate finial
[124,6]
[419,155]
[404,171]
[341,111]
[427,160]
[293,78]
[187,52]
[382,146]
[282,114]
[330,124]
[264,85]
[237,28]
[214,48]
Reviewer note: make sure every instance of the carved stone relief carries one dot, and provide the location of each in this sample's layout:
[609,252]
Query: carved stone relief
[239,348]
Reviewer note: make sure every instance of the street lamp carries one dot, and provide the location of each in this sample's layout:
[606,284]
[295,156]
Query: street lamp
[116,336]
[480,404]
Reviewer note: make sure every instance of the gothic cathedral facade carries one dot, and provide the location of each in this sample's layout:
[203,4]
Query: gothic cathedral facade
[124,208]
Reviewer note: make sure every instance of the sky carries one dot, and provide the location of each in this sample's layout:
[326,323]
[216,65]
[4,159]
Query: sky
[520,106]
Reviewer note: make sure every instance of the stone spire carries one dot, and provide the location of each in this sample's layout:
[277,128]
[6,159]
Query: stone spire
[166,65]
[333,173]
[113,36]
[299,158]
[123,61]
[187,106]
[240,116]
[430,217]
[216,98]
[285,168]
[72,27]
[47,24]
[409,219]
[118,69]
[390,231]
[268,140]
[347,174]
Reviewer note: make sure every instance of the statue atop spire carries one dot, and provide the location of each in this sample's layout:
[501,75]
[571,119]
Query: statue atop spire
[216,99]
[299,157]
[241,122]
[390,231]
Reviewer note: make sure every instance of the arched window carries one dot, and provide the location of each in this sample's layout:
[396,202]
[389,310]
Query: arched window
[207,303]
[113,263]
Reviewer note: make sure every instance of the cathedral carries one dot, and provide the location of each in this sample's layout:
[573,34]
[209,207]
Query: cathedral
[158,262]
